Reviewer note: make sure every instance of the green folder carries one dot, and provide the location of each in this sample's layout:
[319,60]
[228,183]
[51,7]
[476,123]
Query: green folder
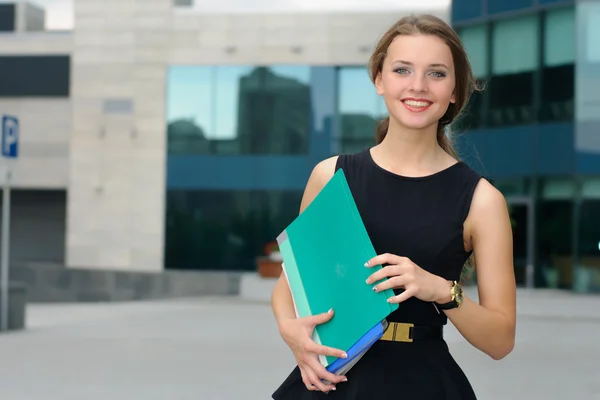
[324,251]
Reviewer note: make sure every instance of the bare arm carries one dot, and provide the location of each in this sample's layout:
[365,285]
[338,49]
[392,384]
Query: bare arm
[490,325]
[297,332]
[281,298]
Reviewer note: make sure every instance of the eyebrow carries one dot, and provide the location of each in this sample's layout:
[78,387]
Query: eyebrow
[438,65]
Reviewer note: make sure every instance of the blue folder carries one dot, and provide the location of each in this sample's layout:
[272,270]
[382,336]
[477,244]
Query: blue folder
[343,365]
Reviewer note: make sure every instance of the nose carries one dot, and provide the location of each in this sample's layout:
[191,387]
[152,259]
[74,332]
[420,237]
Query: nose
[418,83]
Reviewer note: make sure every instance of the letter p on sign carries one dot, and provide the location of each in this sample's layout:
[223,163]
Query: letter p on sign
[10,136]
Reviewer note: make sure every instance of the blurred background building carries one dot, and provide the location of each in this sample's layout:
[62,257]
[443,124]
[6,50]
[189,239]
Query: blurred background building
[164,143]
[535,129]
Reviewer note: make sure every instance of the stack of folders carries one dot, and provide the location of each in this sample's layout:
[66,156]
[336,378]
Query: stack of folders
[324,251]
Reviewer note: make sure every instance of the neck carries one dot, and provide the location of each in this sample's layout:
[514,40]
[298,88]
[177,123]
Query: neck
[408,148]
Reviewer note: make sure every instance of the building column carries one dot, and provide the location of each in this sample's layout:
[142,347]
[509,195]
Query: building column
[116,195]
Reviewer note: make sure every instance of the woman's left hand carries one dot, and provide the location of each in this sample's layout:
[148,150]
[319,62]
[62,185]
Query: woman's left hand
[402,273]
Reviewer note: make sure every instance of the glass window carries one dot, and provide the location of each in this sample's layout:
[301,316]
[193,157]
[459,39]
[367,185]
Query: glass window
[592,30]
[554,266]
[239,109]
[559,37]
[515,60]
[360,108]
[475,42]
[558,74]
[7,17]
[208,229]
[587,277]
[558,93]
[35,76]
[515,45]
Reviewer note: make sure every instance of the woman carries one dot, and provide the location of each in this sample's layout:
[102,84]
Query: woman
[426,213]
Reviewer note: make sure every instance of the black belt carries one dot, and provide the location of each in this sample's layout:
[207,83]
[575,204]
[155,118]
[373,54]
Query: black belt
[405,332]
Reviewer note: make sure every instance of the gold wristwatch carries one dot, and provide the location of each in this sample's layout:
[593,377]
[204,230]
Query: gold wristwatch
[457,297]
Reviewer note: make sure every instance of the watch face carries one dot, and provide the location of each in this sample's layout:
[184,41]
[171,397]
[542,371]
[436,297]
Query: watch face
[457,293]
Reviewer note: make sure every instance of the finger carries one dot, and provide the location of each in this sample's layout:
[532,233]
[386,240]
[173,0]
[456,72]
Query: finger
[385,258]
[386,272]
[396,282]
[322,373]
[313,347]
[316,382]
[320,318]
[407,294]
[305,379]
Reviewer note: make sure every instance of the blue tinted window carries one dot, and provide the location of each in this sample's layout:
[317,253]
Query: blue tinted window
[515,59]
[359,108]
[475,41]
[558,73]
[499,6]
[225,229]
[559,37]
[463,10]
[239,109]
[515,45]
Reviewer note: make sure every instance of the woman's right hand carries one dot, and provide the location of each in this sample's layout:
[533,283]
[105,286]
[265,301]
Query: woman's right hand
[297,333]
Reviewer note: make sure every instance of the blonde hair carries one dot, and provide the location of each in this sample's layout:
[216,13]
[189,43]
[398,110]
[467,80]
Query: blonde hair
[465,81]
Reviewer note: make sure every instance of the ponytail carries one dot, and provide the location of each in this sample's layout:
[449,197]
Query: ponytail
[381,130]
[445,142]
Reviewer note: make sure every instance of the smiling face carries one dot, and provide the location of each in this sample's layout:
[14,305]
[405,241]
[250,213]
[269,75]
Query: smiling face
[417,80]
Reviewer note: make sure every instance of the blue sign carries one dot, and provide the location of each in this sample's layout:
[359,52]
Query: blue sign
[10,136]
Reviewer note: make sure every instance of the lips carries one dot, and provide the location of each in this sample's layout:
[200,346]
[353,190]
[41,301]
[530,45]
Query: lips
[416,105]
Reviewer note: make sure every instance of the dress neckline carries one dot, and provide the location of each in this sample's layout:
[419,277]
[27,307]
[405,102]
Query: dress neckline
[371,161]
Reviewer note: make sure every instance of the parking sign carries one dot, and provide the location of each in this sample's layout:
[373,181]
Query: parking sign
[10,136]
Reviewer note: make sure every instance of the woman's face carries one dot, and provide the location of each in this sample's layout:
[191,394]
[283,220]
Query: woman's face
[417,80]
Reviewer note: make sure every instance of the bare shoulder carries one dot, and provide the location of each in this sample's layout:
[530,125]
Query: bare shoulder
[488,211]
[487,199]
[324,170]
[320,175]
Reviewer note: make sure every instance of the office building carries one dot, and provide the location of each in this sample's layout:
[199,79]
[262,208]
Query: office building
[535,129]
[164,143]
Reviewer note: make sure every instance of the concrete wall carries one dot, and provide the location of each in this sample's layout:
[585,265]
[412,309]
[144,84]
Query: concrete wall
[117,164]
[37,43]
[315,39]
[45,131]
[46,282]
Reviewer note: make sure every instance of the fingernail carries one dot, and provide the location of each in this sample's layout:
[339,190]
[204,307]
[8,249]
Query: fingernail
[330,310]
[344,355]
[368,280]
[367,264]
[345,380]
[334,388]
[374,288]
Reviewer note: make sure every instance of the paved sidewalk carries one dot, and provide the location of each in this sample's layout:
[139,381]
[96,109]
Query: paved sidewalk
[228,348]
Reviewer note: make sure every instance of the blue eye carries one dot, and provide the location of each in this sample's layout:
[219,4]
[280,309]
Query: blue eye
[439,74]
[401,71]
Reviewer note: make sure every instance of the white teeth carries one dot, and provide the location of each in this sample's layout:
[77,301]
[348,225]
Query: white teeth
[413,103]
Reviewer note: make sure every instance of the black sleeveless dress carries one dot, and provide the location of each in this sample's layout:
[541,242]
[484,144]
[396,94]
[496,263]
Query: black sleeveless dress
[420,218]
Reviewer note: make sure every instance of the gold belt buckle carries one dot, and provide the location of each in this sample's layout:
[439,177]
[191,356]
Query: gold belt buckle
[398,332]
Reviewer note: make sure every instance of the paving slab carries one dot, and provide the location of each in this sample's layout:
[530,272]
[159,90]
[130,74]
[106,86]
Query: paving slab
[229,348]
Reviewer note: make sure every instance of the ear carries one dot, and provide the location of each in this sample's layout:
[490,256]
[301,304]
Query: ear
[378,84]
[453,98]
